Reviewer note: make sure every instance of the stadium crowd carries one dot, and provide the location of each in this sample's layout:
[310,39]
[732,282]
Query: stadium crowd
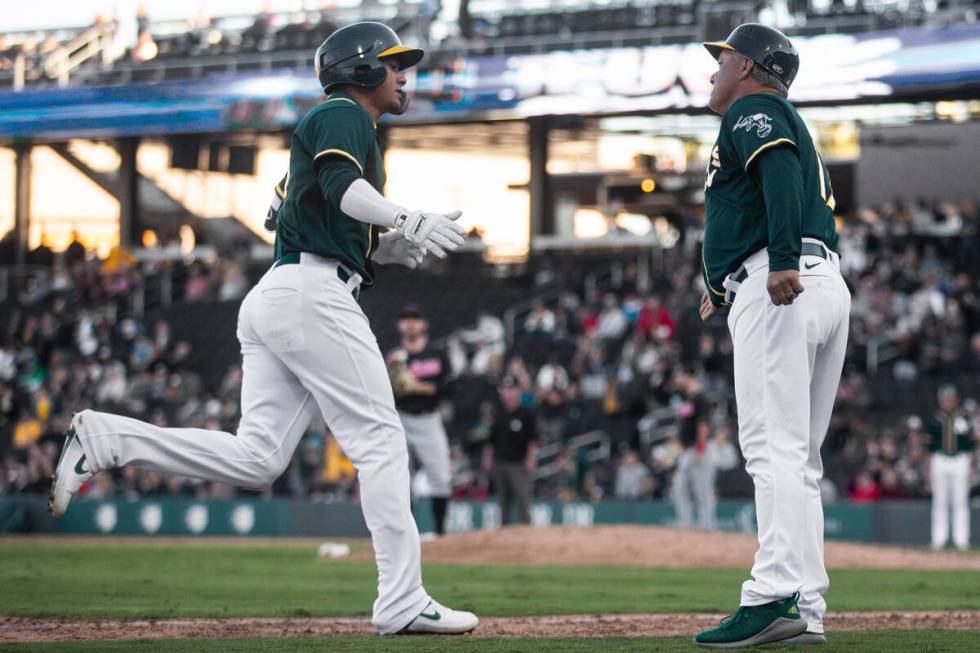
[627,358]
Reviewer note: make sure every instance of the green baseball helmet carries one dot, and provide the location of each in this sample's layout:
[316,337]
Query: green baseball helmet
[766,46]
[356,54]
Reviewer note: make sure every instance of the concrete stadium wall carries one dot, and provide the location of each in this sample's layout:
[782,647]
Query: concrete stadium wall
[930,160]
[899,522]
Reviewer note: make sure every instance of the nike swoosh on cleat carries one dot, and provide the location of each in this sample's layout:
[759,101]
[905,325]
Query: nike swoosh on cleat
[810,267]
[78,466]
[435,616]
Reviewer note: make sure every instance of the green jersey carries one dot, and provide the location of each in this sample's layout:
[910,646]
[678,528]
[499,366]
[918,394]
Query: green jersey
[736,221]
[949,433]
[310,219]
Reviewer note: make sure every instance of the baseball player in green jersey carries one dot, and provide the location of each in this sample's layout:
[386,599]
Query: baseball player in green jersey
[770,262]
[951,443]
[306,345]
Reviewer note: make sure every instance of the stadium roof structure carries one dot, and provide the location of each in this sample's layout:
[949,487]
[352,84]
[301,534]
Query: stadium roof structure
[877,67]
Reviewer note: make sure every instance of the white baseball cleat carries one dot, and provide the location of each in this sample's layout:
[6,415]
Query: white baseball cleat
[437,618]
[70,474]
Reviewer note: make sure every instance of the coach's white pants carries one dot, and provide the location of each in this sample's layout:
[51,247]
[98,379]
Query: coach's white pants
[428,442]
[306,346]
[950,491]
[788,362]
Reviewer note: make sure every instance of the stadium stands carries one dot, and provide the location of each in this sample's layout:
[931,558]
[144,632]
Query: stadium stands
[169,50]
[594,345]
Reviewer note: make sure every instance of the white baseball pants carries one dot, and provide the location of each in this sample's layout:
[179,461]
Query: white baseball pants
[306,347]
[788,362]
[950,491]
[429,443]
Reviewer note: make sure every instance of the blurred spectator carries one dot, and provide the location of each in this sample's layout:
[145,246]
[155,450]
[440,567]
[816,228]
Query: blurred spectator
[866,489]
[513,441]
[633,478]
[487,342]
[695,476]
[655,321]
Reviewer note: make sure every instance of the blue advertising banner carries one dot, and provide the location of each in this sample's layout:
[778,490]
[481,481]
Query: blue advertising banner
[873,67]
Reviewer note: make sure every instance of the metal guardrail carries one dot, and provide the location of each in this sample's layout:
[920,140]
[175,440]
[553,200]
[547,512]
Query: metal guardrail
[597,443]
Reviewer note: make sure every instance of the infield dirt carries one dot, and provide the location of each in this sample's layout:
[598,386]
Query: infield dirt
[659,547]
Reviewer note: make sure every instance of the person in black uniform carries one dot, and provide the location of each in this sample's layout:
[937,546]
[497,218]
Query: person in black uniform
[419,374]
[514,446]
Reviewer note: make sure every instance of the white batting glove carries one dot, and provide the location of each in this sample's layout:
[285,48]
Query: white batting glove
[436,232]
[393,247]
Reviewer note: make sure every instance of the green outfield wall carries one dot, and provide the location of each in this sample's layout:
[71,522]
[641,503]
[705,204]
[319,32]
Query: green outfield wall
[905,522]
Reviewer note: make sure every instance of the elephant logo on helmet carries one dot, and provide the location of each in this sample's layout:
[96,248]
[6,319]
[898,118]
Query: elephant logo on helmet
[758,121]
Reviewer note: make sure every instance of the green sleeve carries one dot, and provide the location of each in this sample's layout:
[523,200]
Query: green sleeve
[758,124]
[341,134]
[335,177]
[779,174]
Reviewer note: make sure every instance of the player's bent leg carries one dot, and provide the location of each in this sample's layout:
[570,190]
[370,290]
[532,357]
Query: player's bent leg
[276,409]
[275,413]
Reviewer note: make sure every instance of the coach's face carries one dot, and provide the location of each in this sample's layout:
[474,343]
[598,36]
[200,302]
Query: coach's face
[390,92]
[725,83]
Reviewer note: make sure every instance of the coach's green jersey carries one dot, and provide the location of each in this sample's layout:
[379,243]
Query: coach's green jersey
[736,223]
[949,433]
[337,130]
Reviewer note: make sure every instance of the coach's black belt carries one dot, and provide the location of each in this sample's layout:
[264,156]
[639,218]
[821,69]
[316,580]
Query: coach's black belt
[741,274]
[343,272]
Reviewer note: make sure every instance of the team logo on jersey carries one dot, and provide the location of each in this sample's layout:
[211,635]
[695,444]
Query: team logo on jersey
[760,122]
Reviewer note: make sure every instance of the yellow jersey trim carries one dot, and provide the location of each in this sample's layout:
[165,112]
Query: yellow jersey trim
[342,153]
[766,146]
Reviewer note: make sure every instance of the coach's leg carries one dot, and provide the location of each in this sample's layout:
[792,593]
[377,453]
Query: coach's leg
[504,491]
[826,349]
[276,410]
[960,495]
[344,370]
[939,479]
[771,377]
[522,483]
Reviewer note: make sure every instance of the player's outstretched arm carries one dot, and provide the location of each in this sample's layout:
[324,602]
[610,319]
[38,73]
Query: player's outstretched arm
[436,232]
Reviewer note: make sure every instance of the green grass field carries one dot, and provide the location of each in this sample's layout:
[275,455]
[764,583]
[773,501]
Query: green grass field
[148,579]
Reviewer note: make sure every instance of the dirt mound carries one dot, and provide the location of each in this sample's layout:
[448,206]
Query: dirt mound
[27,630]
[659,547]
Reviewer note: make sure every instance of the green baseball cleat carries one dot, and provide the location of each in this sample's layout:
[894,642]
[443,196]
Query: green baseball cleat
[753,625]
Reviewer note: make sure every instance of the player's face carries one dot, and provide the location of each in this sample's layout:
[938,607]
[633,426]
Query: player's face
[725,81]
[412,328]
[391,90]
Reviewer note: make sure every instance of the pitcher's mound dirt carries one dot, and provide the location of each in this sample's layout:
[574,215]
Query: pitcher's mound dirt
[659,547]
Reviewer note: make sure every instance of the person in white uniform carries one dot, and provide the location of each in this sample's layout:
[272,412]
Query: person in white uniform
[770,262]
[306,345]
[951,442]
